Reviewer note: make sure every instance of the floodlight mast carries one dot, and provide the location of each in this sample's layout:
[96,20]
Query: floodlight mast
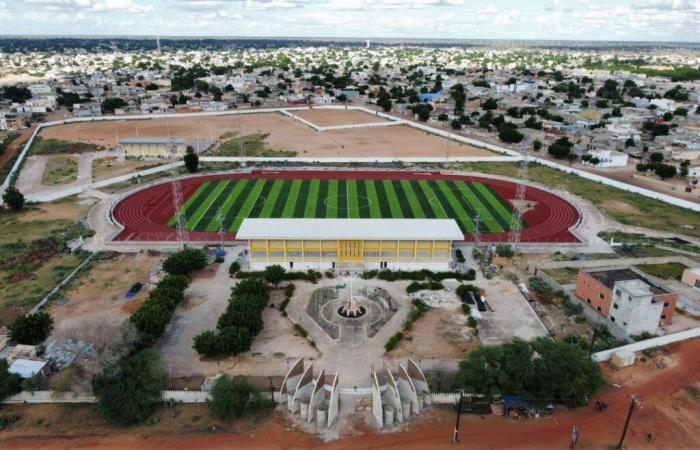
[518,203]
[181,221]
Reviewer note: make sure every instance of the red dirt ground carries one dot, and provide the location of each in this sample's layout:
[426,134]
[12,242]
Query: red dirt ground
[673,421]
[145,214]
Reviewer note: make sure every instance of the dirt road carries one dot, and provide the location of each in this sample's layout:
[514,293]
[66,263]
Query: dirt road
[666,410]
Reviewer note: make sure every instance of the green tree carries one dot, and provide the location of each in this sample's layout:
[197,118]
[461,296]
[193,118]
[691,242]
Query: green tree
[664,171]
[489,104]
[185,262]
[10,383]
[31,329]
[537,145]
[561,148]
[243,312]
[509,133]
[274,274]
[191,160]
[13,198]
[233,397]
[110,104]
[656,157]
[629,142]
[127,391]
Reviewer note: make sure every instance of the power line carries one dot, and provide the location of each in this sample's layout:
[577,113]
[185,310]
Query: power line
[518,203]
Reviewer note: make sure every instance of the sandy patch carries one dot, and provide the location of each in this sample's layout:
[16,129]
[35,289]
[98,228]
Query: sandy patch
[334,117]
[110,167]
[440,333]
[283,132]
[102,290]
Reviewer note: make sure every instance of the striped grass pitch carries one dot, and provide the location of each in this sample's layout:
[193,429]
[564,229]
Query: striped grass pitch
[227,203]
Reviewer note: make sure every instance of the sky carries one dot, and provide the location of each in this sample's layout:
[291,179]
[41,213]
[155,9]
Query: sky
[629,20]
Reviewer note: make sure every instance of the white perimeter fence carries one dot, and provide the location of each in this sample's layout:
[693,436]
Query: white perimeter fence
[512,155]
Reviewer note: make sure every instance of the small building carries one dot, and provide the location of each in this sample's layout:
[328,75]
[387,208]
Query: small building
[27,368]
[691,277]
[609,158]
[627,299]
[87,109]
[358,244]
[153,147]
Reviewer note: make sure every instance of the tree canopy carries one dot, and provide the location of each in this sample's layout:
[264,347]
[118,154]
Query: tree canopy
[13,198]
[542,371]
[31,329]
[185,262]
[127,391]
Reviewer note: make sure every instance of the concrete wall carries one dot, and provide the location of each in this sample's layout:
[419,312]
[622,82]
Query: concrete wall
[443,133]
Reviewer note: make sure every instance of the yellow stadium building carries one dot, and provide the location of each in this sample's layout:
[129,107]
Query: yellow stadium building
[321,244]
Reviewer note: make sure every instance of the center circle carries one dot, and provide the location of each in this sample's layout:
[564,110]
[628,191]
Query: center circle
[362,202]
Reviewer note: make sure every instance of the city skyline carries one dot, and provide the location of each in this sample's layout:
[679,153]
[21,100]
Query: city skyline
[592,20]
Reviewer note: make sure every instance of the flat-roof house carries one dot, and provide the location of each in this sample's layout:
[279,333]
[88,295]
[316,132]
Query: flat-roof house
[626,298]
[323,244]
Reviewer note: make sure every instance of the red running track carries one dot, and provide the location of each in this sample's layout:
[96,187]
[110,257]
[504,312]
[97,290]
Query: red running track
[145,213]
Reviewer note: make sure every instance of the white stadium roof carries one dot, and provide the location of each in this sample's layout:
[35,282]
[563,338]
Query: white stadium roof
[368,229]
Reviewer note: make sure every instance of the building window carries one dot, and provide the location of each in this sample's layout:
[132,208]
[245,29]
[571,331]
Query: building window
[697,283]
[588,300]
[663,317]
[617,292]
[612,318]
[666,304]
[615,305]
[602,297]
[598,308]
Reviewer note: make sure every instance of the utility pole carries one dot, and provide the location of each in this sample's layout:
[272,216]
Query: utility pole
[590,350]
[455,437]
[627,422]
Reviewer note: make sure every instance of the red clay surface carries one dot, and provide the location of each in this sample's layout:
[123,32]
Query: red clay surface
[145,214]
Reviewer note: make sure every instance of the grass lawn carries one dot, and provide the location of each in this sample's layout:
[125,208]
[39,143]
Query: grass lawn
[33,256]
[60,169]
[666,271]
[50,146]
[250,144]
[625,207]
[231,201]
[6,139]
[564,275]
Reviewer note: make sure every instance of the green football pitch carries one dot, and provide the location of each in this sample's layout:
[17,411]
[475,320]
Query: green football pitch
[224,204]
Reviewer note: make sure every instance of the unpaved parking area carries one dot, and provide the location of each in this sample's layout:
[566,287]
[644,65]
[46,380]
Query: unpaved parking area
[511,317]
[101,291]
[206,299]
[334,117]
[284,133]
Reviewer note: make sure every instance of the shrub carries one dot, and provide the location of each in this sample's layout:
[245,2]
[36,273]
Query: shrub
[393,342]
[234,267]
[471,321]
[231,398]
[504,250]
[301,330]
[185,262]
[155,313]
[13,198]
[466,309]
[128,390]
[229,341]
[31,329]
[274,274]
[289,290]
[430,285]
[463,291]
